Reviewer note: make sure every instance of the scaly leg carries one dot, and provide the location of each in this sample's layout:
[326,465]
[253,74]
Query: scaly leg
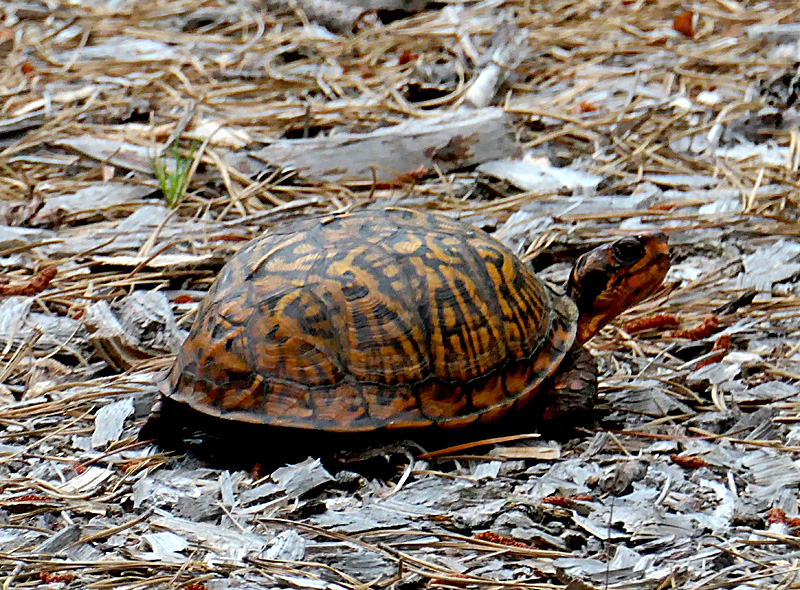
[568,397]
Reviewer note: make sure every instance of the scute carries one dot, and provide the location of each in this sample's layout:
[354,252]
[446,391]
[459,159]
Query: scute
[376,319]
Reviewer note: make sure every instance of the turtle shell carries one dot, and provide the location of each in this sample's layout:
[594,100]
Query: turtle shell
[374,319]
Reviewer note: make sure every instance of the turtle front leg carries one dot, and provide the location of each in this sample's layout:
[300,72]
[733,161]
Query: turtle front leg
[566,400]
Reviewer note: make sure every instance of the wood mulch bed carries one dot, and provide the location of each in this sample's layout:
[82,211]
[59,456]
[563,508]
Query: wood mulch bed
[143,143]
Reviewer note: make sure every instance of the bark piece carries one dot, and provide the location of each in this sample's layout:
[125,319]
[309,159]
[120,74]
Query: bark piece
[94,198]
[540,177]
[18,324]
[303,477]
[287,545]
[227,543]
[508,50]
[138,327]
[119,153]
[108,422]
[59,541]
[454,140]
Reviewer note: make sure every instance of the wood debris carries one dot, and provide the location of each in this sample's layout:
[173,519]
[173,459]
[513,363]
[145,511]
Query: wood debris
[448,142]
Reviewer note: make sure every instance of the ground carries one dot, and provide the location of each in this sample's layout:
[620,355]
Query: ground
[142,143]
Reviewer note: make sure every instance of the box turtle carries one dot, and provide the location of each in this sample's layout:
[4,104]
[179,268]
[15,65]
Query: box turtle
[396,319]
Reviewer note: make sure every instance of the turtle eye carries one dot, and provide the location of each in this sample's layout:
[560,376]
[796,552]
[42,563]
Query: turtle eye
[628,250]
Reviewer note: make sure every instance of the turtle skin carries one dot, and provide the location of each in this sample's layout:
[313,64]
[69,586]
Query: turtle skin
[372,320]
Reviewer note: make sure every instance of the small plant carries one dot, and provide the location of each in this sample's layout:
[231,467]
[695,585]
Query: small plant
[172,173]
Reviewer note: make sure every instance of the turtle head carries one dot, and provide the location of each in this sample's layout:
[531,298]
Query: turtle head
[607,280]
